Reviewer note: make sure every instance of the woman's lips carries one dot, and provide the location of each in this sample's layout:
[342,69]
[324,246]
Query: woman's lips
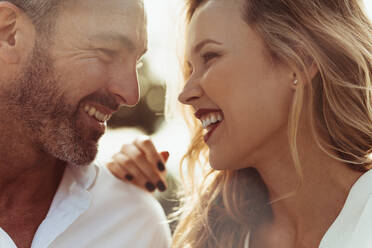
[211,119]
[204,111]
[211,130]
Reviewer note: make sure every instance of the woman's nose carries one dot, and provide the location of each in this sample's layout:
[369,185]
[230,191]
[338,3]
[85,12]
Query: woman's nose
[192,91]
[187,96]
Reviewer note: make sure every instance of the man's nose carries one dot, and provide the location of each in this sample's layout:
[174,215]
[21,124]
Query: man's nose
[125,88]
[191,92]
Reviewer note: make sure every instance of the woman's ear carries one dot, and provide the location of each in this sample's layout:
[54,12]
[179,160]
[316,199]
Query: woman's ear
[304,76]
[312,70]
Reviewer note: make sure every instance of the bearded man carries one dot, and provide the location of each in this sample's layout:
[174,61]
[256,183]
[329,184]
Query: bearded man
[65,67]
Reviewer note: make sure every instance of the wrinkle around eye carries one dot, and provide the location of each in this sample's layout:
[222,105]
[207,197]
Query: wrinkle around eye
[107,54]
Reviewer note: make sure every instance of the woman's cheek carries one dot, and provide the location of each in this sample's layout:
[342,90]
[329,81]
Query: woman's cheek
[216,80]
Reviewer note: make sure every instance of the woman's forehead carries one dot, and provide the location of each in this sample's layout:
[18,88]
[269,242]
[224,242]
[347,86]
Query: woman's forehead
[219,5]
[215,17]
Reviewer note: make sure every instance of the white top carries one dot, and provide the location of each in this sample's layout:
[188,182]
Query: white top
[94,209]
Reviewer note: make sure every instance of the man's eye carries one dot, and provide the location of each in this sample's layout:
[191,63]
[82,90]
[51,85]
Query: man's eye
[208,56]
[106,54]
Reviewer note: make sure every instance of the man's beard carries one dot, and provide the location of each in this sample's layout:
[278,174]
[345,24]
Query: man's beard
[36,101]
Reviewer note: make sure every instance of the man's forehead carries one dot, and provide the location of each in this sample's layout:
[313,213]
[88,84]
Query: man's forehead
[125,6]
[110,12]
[92,18]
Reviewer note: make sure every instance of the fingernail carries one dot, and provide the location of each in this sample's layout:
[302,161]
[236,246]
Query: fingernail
[150,187]
[161,166]
[165,155]
[129,177]
[161,186]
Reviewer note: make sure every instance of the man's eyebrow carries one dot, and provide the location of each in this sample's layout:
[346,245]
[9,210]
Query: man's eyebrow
[201,44]
[122,39]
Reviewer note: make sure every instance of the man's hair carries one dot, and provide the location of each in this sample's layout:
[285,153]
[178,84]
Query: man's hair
[43,13]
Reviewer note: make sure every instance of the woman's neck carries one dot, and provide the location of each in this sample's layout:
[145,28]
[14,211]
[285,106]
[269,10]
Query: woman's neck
[307,212]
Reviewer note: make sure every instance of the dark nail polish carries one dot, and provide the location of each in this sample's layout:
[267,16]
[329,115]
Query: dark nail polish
[150,187]
[161,166]
[129,177]
[161,186]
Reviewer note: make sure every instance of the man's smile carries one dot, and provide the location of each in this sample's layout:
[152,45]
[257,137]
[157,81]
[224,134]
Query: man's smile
[95,117]
[98,115]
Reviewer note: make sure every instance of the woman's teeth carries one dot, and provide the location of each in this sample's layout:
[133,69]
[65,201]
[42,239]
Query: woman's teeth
[210,119]
[93,112]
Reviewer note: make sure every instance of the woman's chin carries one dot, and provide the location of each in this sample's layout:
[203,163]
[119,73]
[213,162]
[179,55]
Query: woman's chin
[224,163]
[220,163]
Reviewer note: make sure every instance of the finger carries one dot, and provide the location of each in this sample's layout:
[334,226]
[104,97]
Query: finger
[147,151]
[155,159]
[140,160]
[165,156]
[148,148]
[120,172]
[139,178]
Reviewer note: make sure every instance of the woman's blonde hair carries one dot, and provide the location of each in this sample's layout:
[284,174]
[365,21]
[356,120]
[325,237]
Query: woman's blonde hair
[336,37]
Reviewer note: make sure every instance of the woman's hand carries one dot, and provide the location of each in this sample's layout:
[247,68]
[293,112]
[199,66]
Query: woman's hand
[140,164]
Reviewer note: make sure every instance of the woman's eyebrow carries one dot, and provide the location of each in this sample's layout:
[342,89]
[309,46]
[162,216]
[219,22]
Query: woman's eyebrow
[202,43]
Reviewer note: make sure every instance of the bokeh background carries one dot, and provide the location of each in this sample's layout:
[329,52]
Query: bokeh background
[158,74]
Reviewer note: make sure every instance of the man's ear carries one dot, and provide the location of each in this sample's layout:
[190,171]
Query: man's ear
[12,21]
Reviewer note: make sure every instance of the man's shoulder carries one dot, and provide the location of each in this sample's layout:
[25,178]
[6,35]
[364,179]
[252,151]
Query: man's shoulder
[130,208]
[118,215]
[109,188]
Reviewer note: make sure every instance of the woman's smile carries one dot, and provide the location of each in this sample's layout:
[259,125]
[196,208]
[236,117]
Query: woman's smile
[210,119]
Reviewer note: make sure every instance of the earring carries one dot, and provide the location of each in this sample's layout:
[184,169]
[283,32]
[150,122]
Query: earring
[295,82]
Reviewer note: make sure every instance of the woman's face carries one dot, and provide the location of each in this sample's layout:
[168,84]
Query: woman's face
[234,80]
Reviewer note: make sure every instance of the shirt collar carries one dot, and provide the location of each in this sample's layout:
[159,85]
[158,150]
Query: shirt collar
[71,200]
[84,176]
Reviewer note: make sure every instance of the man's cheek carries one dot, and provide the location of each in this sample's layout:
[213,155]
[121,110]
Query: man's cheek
[82,78]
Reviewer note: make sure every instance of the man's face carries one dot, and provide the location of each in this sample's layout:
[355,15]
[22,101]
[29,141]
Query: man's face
[70,87]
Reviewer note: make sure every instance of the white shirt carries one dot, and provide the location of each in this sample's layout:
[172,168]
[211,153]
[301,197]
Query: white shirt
[92,208]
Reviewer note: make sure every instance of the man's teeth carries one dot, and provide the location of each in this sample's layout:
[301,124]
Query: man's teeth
[93,112]
[211,118]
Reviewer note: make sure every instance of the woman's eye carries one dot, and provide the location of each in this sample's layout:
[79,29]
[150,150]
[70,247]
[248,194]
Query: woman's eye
[209,56]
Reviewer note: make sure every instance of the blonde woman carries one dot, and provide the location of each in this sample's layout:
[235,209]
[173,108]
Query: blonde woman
[283,92]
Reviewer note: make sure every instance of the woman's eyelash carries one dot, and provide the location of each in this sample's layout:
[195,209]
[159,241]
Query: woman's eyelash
[208,56]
